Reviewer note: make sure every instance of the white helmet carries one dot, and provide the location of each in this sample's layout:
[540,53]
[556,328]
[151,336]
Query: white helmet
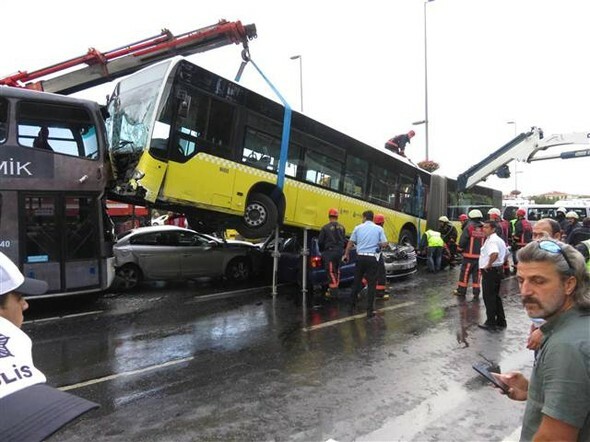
[572,214]
[494,211]
[475,213]
[444,219]
[561,209]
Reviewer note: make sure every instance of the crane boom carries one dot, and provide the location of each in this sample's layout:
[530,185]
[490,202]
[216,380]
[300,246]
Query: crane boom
[104,67]
[524,147]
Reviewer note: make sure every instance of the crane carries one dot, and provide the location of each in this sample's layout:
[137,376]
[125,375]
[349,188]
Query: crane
[523,147]
[95,67]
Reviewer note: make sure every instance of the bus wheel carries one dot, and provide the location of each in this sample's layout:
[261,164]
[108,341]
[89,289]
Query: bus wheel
[238,270]
[407,237]
[130,276]
[260,217]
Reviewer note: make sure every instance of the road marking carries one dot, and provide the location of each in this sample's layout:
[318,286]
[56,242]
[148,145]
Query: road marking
[55,318]
[354,317]
[220,295]
[127,373]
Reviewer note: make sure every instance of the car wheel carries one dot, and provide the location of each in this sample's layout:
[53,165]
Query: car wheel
[407,237]
[260,217]
[238,270]
[130,276]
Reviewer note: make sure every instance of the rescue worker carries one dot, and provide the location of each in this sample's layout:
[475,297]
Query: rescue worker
[176,219]
[381,287]
[449,235]
[503,232]
[434,249]
[398,143]
[332,241]
[463,219]
[470,243]
[579,234]
[521,235]
[572,223]
[584,248]
[560,217]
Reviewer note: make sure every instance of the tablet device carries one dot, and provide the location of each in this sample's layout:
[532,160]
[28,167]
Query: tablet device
[484,369]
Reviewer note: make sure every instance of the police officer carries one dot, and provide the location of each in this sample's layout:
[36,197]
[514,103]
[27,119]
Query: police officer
[470,243]
[332,241]
[369,239]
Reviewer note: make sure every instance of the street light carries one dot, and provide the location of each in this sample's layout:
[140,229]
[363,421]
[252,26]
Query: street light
[300,58]
[426,78]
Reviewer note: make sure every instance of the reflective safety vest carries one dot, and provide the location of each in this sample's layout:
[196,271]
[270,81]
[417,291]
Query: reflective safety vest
[434,239]
[587,244]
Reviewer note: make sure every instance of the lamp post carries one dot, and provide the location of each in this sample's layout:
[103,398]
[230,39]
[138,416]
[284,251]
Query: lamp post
[300,58]
[426,122]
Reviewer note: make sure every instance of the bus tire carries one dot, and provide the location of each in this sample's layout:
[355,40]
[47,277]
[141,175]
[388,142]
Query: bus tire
[406,236]
[238,270]
[129,276]
[260,217]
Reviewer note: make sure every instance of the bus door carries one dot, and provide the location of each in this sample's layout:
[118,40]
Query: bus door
[60,240]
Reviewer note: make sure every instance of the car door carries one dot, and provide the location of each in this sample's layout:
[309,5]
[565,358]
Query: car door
[199,256]
[157,255]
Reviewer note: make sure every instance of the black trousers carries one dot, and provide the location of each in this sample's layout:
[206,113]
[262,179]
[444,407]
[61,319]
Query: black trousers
[368,267]
[490,281]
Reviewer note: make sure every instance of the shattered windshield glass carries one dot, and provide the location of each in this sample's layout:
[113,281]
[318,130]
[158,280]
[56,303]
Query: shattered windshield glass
[131,116]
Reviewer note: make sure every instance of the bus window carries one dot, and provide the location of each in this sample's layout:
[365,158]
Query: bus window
[264,151]
[355,177]
[382,184]
[405,192]
[3,119]
[322,170]
[69,132]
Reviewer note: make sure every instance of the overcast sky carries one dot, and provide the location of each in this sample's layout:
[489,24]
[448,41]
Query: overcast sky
[489,62]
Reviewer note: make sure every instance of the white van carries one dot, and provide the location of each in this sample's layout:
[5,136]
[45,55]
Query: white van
[535,212]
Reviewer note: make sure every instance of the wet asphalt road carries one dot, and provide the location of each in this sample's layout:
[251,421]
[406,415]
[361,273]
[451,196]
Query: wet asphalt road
[167,364]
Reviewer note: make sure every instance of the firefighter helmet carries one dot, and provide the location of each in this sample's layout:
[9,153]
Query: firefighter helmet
[379,219]
[411,133]
[444,219]
[333,212]
[520,212]
[475,213]
[572,214]
[494,211]
[463,217]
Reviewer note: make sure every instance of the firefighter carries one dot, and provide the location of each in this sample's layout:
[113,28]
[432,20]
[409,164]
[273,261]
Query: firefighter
[398,143]
[463,219]
[449,235]
[332,241]
[470,244]
[521,235]
[572,223]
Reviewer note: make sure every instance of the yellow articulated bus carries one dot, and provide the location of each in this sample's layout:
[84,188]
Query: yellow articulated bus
[185,139]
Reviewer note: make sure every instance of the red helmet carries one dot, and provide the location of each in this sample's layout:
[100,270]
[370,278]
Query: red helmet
[379,219]
[520,212]
[463,217]
[411,133]
[333,212]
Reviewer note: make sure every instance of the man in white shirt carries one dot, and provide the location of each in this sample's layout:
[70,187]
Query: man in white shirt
[491,258]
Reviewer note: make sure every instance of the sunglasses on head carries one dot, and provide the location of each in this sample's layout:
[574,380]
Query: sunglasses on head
[553,247]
